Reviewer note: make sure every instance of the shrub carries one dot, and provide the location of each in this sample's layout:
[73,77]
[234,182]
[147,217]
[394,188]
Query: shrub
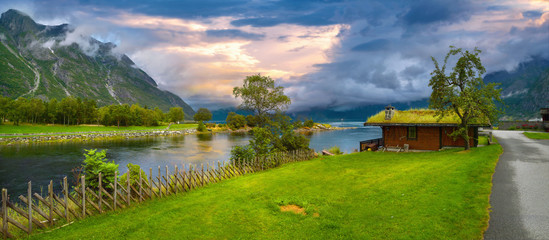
[294,141]
[309,123]
[235,121]
[210,125]
[134,175]
[95,163]
[242,154]
[201,127]
[335,150]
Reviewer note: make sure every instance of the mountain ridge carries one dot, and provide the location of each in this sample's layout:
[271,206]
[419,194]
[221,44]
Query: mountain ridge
[39,61]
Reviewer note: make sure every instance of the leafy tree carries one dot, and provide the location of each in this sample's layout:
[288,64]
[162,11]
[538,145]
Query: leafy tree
[5,106]
[203,114]
[251,121]
[120,113]
[176,114]
[260,95]
[95,163]
[52,109]
[463,92]
[235,121]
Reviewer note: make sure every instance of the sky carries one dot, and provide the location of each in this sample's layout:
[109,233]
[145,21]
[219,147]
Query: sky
[327,54]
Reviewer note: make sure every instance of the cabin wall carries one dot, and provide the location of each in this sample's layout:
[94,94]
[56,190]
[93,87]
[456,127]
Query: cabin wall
[428,138]
[448,141]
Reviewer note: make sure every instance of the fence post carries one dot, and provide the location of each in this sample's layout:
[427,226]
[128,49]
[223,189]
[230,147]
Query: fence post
[50,191]
[83,187]
[100,194]
[29,195]
[66,197]
[159,182]
[129,190]
[202,175]
[115,196]
[5,212]
[151,182]
[167,180]
[175,178]
[140,186]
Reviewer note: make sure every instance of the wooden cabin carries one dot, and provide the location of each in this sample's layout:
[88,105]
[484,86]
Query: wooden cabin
[419,129]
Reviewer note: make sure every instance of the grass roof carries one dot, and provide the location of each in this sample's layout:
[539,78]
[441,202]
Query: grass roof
[418,116]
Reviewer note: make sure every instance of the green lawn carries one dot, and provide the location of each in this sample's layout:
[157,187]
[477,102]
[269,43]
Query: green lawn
[27,128]
[537,135]
[369,195]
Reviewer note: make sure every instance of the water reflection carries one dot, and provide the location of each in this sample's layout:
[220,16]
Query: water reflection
[42,162]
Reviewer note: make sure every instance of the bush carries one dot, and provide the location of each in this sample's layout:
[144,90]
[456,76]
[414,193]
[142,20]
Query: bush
[95,163]
[335,150]
[293,141]
[201,127]
[210,125]
[134,175]
[309,123]
[235,121]
[242,154]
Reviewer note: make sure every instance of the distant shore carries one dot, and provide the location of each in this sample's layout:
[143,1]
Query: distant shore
[88,136]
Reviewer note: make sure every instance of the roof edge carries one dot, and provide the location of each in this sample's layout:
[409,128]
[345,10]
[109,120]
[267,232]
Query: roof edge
[423,124]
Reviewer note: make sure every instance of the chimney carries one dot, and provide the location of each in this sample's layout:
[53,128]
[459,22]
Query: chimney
[389,112]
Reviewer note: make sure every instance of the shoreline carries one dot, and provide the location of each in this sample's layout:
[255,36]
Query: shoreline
[32,138]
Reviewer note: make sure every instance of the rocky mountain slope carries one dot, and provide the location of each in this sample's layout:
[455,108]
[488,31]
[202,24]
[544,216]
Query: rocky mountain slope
[38,61]
[524,90]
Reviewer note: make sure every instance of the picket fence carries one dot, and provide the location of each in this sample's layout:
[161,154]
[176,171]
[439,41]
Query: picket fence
[77,202]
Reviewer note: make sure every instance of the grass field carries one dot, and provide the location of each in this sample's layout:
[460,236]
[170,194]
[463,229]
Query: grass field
[29,129]
[537,135]
[369,195]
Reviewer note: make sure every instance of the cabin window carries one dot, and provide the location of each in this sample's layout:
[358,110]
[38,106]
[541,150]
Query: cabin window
[412,132]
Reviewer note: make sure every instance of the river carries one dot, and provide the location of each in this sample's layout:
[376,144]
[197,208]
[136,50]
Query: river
[43,162]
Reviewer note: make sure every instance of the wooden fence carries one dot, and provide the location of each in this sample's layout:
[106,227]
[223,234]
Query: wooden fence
[77,202]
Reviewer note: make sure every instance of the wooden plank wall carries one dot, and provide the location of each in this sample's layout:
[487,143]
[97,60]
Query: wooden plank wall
[77,202]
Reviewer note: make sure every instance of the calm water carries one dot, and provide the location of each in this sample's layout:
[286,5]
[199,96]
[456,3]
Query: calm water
[40,163]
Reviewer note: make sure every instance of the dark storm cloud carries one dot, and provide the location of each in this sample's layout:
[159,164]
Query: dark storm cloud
[234,33]
[374,45]
[437,11]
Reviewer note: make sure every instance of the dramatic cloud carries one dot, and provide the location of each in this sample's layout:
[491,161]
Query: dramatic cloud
[328,54]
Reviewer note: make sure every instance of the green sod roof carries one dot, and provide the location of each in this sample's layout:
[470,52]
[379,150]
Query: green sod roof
[418,117]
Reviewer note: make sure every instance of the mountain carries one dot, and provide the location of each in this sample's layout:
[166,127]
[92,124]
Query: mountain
[55,62]
[524,90]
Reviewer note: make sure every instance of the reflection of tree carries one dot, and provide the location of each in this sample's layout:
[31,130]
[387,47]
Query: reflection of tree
[178,139]
[205,137]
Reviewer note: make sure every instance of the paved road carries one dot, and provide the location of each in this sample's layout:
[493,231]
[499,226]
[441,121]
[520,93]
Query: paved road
[520,191]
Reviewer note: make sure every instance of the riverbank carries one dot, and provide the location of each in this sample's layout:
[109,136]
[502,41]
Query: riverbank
[26,134]
[85,137]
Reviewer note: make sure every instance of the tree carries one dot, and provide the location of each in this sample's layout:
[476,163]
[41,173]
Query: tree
[260,95]
[203,114]
[235,121]
[95,163]
[463,92]
[176,114]
[5,106]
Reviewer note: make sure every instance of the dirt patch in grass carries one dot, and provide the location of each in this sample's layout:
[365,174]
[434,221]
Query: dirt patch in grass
[293,208]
